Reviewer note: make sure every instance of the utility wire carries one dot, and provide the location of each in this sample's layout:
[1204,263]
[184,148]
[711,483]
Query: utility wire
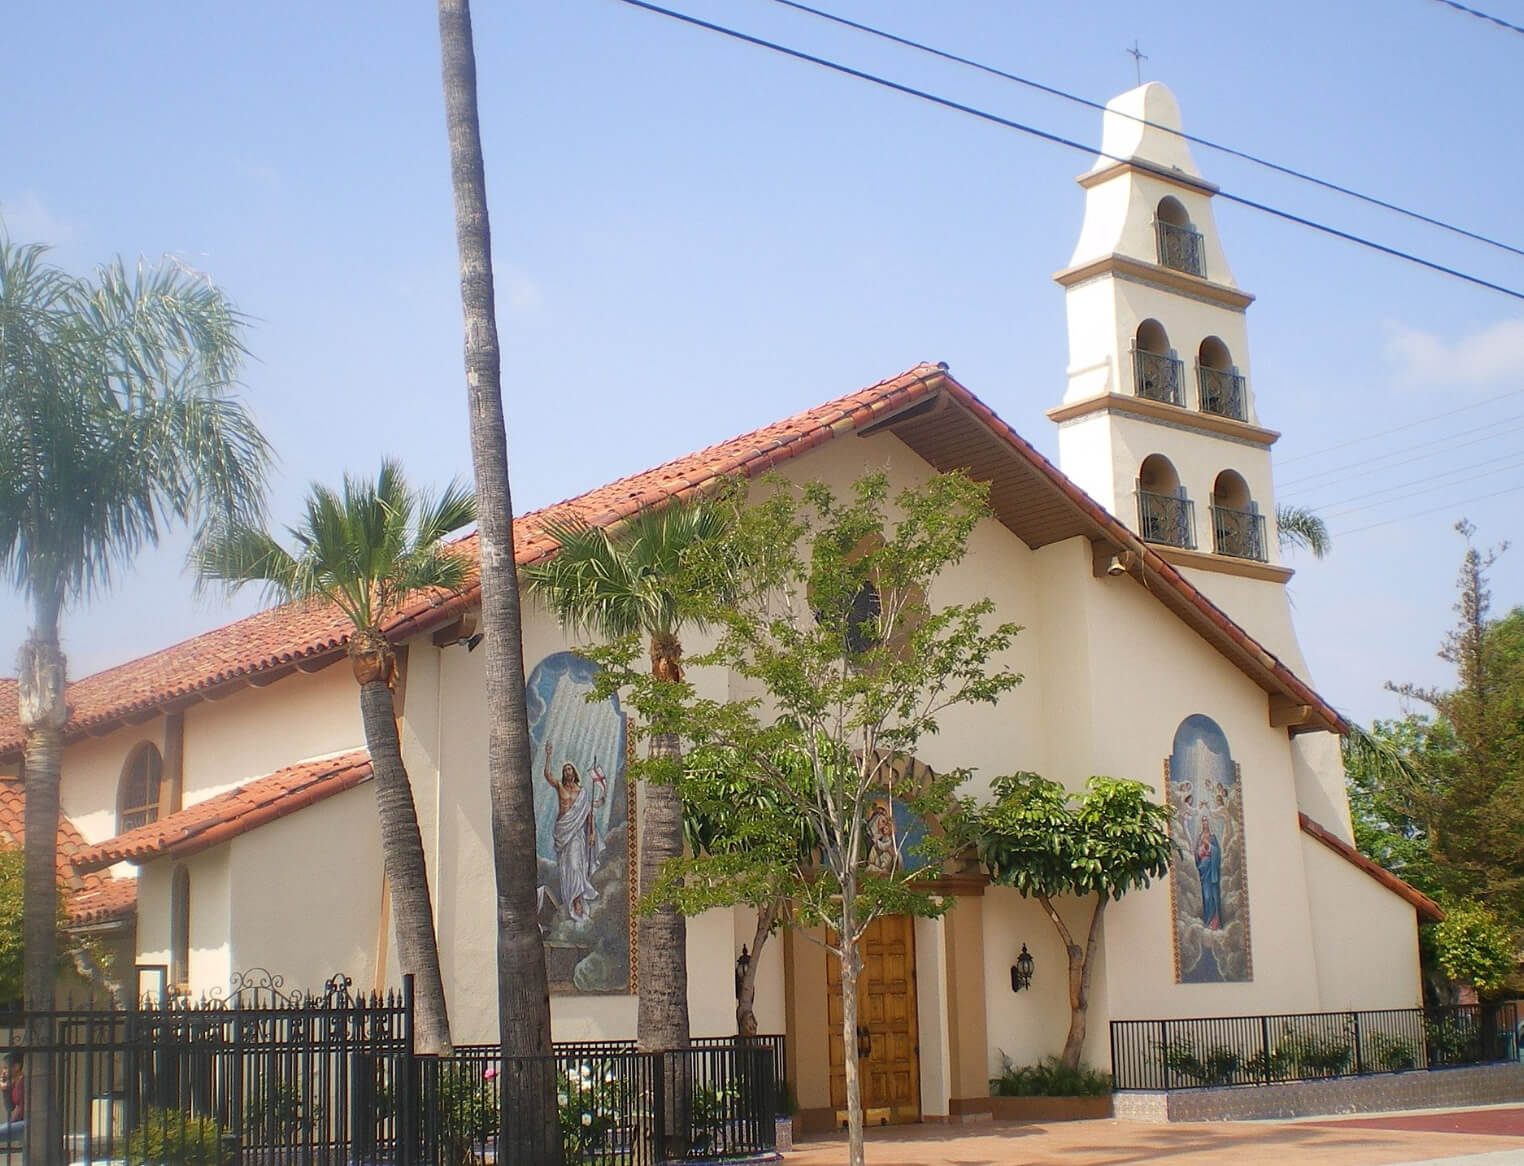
[1057,139]
[1488,431]
[1424,486]
[1341,503]
[1053,91]
[1431,510]
[1399,428]
[1487,16]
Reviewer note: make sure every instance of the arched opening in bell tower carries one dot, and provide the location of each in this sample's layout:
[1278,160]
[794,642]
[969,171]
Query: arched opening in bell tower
[1156,374]
[1180,244]
[1165,514]
[1238,528]
[1220,387]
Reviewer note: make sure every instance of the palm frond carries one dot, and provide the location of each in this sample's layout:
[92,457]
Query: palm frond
[1297,526]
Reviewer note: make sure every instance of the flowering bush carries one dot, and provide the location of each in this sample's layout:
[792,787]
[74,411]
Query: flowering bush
[593,1101]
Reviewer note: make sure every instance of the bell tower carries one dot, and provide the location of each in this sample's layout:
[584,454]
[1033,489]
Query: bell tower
[1159,422]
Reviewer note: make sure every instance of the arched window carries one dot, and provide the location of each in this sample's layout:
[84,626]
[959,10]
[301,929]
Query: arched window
[1165,514]
[1180,244]
[1221,388]
[179,928]
[137,794]
[1155,371]
[1238,528]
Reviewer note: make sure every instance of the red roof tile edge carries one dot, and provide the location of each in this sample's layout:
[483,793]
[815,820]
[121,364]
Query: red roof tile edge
[239,810]
[1428,910]
[117,900]
[746,455]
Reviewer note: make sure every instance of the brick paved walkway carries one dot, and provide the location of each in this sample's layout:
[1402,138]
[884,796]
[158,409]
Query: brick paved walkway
[1366,1141]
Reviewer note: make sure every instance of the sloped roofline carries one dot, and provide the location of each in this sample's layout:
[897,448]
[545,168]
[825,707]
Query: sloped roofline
[1428,910]
[263,647]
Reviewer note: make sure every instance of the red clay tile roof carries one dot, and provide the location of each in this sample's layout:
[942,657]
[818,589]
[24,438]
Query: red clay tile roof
[236,812]
[1428,910]
[8,710]
[71,843]
[118,899]
[277,639]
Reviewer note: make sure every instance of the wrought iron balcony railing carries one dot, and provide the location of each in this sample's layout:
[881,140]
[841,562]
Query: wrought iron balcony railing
[1222,392]
[1240,533]
[1168,519]
[1181,248]
[1157,376]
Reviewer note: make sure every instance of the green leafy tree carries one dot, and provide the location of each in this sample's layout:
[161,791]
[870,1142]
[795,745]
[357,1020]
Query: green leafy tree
[1397,777]
[363,551]
[1473,946]
[119,417]
[823,613]
[1462,791]
[1047,842]
[529,1126]
[748,841]
[625,582]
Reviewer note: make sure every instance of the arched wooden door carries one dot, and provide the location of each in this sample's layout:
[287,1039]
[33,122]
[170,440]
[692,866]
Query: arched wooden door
[888,1045]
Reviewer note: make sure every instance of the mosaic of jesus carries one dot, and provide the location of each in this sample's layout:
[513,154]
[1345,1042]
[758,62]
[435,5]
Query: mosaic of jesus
[1209,882]
[581,805]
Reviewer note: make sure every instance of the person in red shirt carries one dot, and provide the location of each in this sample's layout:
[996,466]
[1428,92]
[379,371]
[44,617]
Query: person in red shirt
[14,1092]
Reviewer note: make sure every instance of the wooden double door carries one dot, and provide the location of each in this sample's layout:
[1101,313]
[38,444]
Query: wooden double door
[887,1048]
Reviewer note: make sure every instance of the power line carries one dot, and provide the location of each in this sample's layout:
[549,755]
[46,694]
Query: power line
[1480,15]
[1426,486]
[1340,473]
[1431,510]
[1340,505]
[1057,139]
[1054,91]
[1399,428]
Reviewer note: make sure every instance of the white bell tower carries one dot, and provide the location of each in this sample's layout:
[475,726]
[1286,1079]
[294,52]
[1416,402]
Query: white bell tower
[1159,422]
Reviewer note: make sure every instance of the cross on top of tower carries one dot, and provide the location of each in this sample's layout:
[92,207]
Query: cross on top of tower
[1138,57]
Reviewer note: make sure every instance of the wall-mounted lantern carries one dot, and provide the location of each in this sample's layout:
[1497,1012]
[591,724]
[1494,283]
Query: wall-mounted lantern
[743,961]
[1021,970]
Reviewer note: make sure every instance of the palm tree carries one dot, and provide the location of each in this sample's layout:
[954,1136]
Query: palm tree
[523,985]
[119,417]
[611,584]
[1297,526]
[362,552]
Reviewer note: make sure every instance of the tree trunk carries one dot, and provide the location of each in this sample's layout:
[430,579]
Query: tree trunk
[851,965]
[1079,976]
[402,851]
[530,1124]
[662,1019]
[746,1017]
[43,711]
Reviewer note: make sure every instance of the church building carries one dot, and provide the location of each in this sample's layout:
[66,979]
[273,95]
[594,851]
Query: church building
[226,778]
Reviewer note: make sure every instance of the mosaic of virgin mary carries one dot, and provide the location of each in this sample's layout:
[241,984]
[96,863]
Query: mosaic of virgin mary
[1208,878]
[581,805]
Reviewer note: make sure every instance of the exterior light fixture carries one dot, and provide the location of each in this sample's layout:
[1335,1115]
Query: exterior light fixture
[1021,970]
[743,961]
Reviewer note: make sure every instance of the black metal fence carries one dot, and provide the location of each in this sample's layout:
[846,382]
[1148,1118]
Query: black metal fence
[268,1079]
[1260,1050]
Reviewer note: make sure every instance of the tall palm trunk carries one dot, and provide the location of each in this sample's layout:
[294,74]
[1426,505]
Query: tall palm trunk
[43,713]
[402,851]
[530,1124]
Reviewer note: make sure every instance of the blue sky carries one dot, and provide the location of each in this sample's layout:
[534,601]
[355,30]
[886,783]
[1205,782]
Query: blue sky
[694,237]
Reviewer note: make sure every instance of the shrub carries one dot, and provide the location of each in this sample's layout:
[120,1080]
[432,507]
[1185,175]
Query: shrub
[1390,1054]
[591,1102]
[1048,1078]
[169,1137]
[1218,1065]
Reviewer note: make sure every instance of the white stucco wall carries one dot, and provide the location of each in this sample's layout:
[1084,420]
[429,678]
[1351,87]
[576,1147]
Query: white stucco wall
[306,893]
[210,874]
[92,771]
[1365,938]
[230,741]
